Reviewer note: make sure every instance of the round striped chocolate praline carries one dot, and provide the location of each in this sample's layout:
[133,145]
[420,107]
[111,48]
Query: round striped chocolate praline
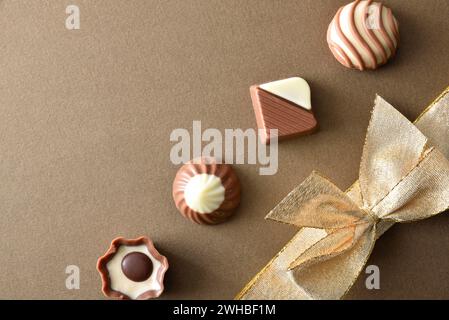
[229,182]
[363,35]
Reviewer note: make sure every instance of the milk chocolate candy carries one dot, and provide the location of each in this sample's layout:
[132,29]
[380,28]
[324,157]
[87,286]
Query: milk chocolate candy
[205,191]
[132,269]
[284,105]
[363,35]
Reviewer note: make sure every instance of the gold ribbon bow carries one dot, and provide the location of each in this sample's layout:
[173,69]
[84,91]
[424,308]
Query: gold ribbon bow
[403,177]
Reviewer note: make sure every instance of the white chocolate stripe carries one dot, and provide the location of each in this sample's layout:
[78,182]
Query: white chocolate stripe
[358,39]
[381,32]
[369,36]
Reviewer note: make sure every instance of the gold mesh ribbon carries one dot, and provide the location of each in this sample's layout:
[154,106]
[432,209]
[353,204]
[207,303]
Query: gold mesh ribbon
[404,177]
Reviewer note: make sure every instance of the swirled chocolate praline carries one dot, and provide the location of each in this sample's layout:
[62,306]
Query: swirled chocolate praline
[363,35]
[206,192]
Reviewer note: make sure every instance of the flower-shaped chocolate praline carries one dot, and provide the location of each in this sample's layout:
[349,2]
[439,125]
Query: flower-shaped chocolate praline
[132,269]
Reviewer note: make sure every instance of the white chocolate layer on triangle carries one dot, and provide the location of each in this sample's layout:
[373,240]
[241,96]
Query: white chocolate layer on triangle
[295,90]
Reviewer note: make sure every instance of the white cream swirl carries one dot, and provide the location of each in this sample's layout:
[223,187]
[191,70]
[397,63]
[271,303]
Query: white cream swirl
[204,193]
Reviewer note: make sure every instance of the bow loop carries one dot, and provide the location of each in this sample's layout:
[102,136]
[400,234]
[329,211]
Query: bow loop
[393,147]
[422,193]
[317,203]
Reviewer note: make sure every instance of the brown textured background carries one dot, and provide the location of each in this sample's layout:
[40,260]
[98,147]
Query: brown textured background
[85,119]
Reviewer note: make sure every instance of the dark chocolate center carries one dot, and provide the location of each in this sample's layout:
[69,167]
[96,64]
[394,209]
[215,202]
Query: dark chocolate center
[137,266]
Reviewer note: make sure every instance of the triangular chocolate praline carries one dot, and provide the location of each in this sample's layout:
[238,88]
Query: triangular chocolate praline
[274,112]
